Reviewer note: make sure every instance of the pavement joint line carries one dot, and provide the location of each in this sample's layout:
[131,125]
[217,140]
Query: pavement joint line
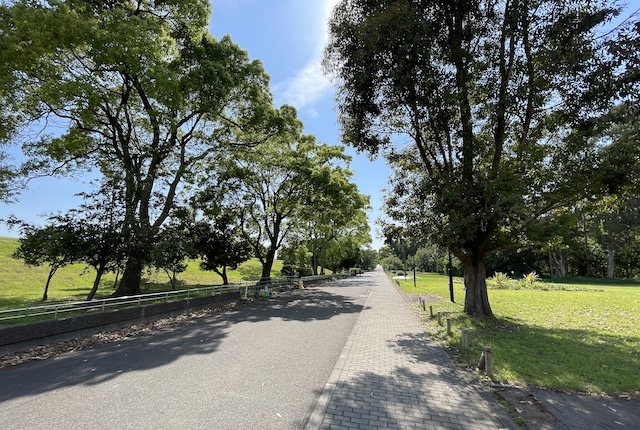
[320,409]
[366,358]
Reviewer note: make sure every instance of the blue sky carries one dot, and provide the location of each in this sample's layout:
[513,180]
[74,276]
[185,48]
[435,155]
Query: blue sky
[288,37]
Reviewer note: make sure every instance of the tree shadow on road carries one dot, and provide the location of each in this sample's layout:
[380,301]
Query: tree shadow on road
[154,349]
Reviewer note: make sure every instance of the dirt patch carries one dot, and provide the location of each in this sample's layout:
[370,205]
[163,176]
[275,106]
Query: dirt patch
[525,408]
[425,297]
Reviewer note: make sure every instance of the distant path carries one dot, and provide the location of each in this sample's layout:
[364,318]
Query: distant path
[393,375]
[351,355]
[258,367]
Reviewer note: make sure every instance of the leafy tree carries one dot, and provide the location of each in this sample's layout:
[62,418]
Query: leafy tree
[136,88]
[499,101]
[295,261]
[392,263]
[335,209]
[368,259]
[53,245]
[270,187]
[99,224]
[171,250]
[220,245]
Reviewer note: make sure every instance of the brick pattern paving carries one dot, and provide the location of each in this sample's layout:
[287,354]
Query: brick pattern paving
[394,376]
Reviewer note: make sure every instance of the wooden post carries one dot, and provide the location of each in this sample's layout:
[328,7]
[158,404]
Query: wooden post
[488,361]
[424,305]
[431,311]
[449,327]
[465,338]
[439,318]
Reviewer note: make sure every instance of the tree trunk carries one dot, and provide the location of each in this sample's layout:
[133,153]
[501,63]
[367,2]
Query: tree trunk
[476,302]
[225,279]
[314,263]
[131,277]
[557,265]
[611,264]
[268,264]
[96,283]
[115,283]
[52,271]
[222,274]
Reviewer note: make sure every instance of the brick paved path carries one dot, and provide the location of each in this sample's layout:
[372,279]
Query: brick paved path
[392,375]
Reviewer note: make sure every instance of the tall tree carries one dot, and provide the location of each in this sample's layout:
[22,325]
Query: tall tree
[98,226]
[497,98]
[335,209]
[135,87]
[270,187]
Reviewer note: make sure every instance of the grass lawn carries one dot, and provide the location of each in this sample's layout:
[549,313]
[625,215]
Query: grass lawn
[22,286]
[577,335]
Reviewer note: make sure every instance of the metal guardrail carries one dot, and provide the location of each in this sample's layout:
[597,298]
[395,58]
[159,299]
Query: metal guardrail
[60,310]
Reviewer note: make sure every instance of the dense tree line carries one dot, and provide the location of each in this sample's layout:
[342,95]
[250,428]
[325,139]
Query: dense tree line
[194,158]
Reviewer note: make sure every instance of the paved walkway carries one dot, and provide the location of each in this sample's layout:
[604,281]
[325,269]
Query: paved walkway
[392,375]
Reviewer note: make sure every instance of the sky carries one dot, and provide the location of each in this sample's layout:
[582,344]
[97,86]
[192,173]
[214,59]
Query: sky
[288,36]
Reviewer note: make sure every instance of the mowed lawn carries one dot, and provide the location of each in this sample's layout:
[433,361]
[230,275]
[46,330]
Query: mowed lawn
[22,286]
[581,335]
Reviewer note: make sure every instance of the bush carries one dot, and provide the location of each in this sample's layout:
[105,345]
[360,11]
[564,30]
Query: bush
[528,281]
[499,280]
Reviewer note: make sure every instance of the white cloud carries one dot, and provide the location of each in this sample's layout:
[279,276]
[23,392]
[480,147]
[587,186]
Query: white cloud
[307,87]
[309,84]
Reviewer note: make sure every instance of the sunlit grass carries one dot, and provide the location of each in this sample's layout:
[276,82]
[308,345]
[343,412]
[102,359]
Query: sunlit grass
[584,338]
[22,286]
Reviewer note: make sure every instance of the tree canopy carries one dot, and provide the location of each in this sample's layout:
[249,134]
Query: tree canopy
[487,110]
[276,188]
[138,89]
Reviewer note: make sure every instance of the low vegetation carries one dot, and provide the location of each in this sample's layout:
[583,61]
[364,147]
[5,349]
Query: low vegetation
[21,285]
[579,334]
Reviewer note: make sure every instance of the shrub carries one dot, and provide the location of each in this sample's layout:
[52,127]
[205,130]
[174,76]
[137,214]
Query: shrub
[499,280]
[528,281]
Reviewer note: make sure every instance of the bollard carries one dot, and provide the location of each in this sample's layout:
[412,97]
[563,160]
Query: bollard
[488,361]
[300,284]
[449,327]
[431,311]
[439,318]
[424,305]
[465,338]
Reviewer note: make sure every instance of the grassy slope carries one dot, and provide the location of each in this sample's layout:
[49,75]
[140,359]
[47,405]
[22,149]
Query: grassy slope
[22,286]
[585,339]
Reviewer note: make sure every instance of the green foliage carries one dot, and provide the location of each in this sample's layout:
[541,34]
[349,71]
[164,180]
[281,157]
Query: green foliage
[580,335]
[530,280]
[295,261]
[500,102]
[142,91]
[369,259]
[499,280]
[391,263]
[293,190]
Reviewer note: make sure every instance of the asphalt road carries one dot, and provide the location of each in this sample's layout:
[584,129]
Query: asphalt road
[261,366]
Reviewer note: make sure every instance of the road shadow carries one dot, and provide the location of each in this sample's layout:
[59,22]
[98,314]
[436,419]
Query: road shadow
[407,398]
[141,352]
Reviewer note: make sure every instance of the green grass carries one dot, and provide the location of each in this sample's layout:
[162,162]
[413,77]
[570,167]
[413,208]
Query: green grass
[22,286]
[584,337]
